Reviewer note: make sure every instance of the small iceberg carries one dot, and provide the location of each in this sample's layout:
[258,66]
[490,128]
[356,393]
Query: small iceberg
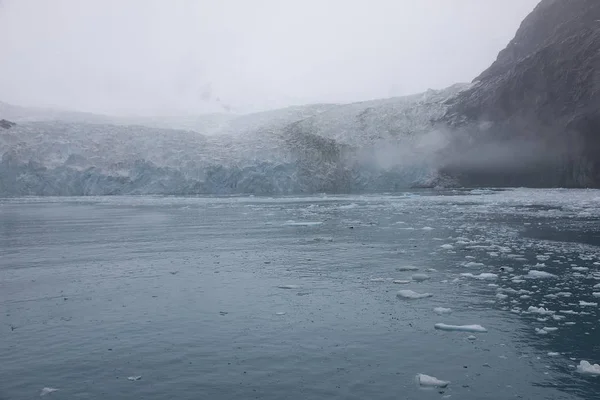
[447,246]
[460,328]
[134,378]
[48,390]
[431,381]
[401,282]
[586,368]
[535,274]
[420,277]
[412,295]
[442,310]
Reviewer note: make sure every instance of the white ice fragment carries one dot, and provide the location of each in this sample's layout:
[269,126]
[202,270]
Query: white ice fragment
[587,304]
[377,279]
[539,310]
[431,381]
[535,274]
[501,296]
[280,313]
[288,286]
[442,310]
[483,276]
[541,331]
[553,354]
[585,367]
[407,268]
[48,390]
[411,295]
[401,282]
[596,294]
[427,228]
[460,328]
[472,264]
[134,378]
[447,246]
[419,277]
[580,269]
[597,286]
[550,329]
[472,337]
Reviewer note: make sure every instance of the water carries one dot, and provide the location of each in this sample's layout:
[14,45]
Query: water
[273,298]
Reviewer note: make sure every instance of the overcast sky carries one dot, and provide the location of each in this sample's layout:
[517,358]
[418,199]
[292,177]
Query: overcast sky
[195,56]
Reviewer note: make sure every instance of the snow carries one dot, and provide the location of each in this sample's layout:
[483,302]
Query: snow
[412,295]
[587,368]
[430,381]
[535,274]
[442,310]
[460,328]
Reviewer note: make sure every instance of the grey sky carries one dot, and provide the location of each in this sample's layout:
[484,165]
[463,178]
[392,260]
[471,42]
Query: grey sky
[194,56]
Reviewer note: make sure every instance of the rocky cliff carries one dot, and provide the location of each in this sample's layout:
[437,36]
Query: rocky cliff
[533,117]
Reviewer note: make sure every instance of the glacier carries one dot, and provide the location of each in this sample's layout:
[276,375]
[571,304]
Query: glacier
[374,146]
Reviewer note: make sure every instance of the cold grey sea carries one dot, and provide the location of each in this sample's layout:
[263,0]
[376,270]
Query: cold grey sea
[494,292]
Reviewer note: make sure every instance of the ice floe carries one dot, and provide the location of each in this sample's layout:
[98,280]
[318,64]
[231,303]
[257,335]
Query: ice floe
[431,381]
[442,310]
[419,277]
[288,286]
[410,295]
[587,304]
[447,246]
[460,328]
[535,274]
[407,268]
[134,378]
[401,282]
[539,310]
[483,276]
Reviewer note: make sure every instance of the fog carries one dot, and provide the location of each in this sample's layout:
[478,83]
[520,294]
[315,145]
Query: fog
[188,57]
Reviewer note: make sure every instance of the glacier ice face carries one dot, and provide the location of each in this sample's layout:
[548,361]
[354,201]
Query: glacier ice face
[377,146]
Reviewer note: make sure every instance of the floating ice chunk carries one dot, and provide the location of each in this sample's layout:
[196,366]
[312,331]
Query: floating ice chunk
[585,367]
[570,312]
[401,282]
[442,310]
[280,313]
[542,257]
[597,286]
[460,328]
[472,264]
[501,296]
[580,269]
[471,337]
[483,276]
[377,279]
[541,331]
[540,265]
[539,310]
[558,317]
[553,354]
[550,329]
[407,268]
[410,295]
[431,381]
[427,228]
[48,390]
[420,277]
[564,294]
[288,287]
[535,274]
[587,304]
[303,223]
[134,378]
[596,294]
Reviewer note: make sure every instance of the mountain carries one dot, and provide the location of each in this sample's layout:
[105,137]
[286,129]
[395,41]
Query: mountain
[533,117]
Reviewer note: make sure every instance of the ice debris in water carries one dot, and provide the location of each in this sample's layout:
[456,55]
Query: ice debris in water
[545,330]
[585,367]
[431,381]
[472,337]
[442,310]
[377,279]
[401,282]
[48,390]
[134,378]
[596,294]
[409,294]
[460,328]
[535,274]
[539,310]
[447,246]
[553,354]
[407,268]
[419,277]
[587,304]
[482,276]
[288,286]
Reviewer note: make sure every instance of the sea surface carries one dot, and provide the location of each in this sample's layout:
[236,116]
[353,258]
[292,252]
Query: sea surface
[296,297]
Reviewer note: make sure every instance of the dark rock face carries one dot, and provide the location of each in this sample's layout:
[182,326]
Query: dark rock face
[6,124]
[533,117]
